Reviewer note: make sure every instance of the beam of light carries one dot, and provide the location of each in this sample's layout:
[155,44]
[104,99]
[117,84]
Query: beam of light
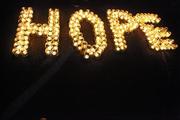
[21,100]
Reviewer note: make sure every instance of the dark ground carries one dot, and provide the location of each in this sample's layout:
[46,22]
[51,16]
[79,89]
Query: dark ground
[138,84]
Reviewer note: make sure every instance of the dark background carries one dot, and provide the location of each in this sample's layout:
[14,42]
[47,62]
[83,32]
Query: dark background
[138,83]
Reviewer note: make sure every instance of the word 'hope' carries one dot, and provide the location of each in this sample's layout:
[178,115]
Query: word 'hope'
[157,37]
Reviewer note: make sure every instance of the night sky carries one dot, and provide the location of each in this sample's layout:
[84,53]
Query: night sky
[136,84]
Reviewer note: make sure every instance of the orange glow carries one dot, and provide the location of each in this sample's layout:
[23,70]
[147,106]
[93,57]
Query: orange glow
[158,37]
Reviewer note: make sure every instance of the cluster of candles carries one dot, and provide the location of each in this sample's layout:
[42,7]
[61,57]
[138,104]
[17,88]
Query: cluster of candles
[158,37]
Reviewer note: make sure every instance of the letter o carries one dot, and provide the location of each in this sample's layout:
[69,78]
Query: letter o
[78,40]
